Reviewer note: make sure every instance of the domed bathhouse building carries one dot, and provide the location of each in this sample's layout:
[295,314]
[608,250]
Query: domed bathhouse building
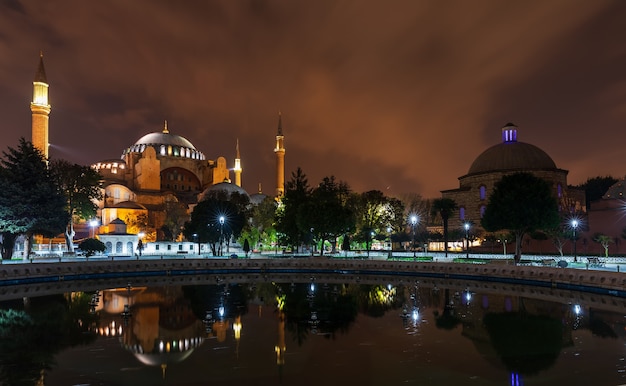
[508,157]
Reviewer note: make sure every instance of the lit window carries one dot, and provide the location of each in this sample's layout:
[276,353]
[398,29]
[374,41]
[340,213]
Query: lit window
[559,190]
[162,151]
[482,211]
[462,213]
[483,192]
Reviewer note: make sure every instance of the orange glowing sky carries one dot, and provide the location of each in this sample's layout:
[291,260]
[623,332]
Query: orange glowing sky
[399,96]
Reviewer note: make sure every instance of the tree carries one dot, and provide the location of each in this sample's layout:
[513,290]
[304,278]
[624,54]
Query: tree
[444,207]
[246,247]
[176,214]
[81,187]
[91,246]
[372,215]
[521,203]
[30,201]
[261,224]
[297,193]
[603,240]
[596,187]
[327,213]
[206,226]
[137,222]
[397,220]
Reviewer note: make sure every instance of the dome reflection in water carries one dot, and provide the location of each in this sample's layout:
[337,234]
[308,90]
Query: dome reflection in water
[311,332]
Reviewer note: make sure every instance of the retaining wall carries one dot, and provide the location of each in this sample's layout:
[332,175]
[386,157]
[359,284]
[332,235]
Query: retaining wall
[597,281]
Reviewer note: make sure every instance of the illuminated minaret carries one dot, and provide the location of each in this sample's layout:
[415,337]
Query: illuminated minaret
[280,160]
[237,168]
[40,109]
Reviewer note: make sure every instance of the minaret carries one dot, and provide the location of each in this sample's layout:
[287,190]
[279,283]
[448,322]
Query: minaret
[40,110]
[237,168]
[280,160]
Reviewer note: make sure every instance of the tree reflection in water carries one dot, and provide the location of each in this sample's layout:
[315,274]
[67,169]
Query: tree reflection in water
[526,335]
[526,344]
[33,331]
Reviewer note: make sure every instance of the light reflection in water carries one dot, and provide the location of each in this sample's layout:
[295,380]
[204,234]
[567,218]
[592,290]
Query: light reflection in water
[174,327]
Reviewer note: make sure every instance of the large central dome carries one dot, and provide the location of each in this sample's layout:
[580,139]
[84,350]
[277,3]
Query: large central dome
[166,144]
[511,155]
[165,138]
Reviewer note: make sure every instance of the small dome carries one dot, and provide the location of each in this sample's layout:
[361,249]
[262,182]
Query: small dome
[257,198]
[511,155]
[228,187]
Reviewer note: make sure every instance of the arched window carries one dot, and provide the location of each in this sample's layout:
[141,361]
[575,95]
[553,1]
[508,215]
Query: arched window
[118,247]
[129,247]
[162,151]
[109,246]
[483,192]
[482,210]
[559,190]
[462,213]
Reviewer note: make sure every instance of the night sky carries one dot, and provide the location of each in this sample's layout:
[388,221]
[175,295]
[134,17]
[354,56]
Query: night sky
[399,96]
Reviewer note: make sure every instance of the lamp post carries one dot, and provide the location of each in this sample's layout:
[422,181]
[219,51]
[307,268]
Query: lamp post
[413,225]
[221,220]
[467,227]
[574,226]
[93,224]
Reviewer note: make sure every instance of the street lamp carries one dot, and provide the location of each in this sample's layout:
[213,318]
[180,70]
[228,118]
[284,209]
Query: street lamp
[467,227]
[93,224]
[574,226]
[413,225]
[221,220]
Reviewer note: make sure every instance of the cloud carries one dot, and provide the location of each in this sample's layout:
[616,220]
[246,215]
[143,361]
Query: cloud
[402,93]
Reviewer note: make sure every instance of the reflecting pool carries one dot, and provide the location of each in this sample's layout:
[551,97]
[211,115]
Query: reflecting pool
[313,331]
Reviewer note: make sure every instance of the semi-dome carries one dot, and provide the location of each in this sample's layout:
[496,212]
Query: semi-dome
[166,144]
[225,186]
[511,155]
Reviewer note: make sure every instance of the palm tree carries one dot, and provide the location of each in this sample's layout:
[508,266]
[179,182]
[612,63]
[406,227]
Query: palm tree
[444,207]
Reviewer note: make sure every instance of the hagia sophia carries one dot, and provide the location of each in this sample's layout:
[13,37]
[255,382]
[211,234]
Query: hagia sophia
[163,167]
[160,167]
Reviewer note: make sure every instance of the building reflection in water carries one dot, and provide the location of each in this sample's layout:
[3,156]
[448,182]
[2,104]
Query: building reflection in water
[164,325]
[156,324]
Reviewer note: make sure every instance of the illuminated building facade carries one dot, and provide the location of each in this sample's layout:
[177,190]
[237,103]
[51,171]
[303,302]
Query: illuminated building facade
[158,169]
